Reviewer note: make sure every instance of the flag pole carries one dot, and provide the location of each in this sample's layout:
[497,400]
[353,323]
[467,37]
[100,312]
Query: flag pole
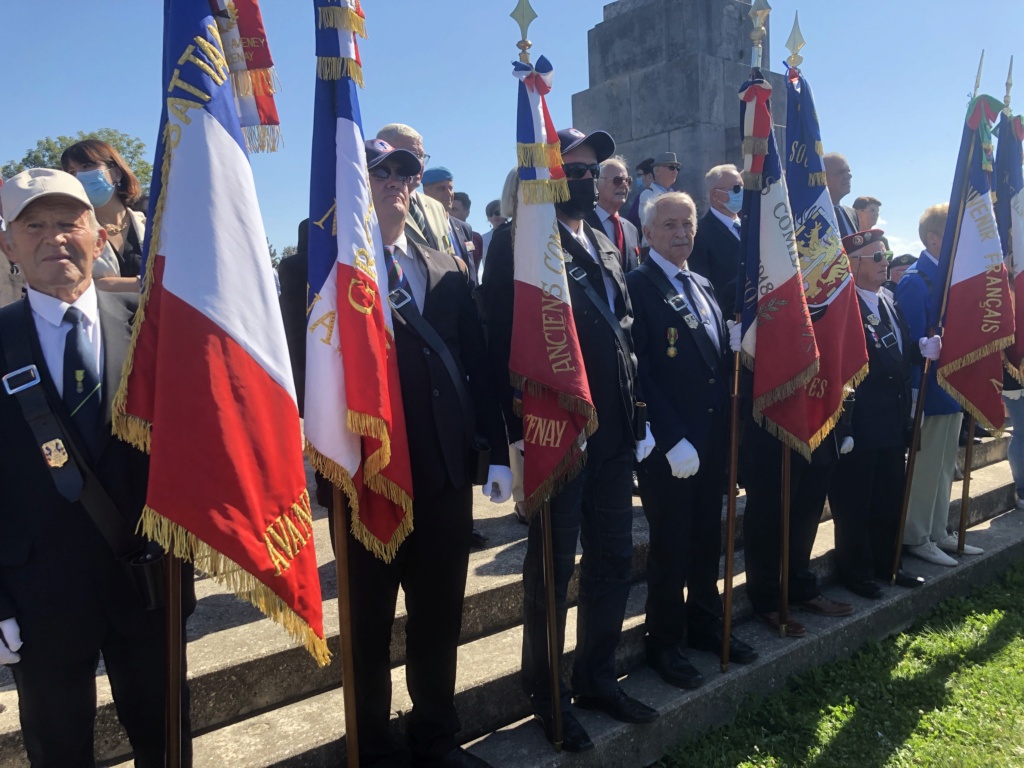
[172,698]
[523,14]
[915,440]
[730,504]
[348,665]
[784,548]
[965,498]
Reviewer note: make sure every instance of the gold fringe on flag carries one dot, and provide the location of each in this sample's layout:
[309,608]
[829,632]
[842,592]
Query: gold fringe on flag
[341,18]
[755,145]
[255,82]
[544,190]
[781,393]
[262,138]
[963,362]
[819,148]
[187,546]
[1017,373]
[752,181]
[538,155]
[337,67]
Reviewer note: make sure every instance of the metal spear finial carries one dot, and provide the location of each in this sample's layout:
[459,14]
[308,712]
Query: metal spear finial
[977,80]
[1009,87]
[795,43]
[758,15]
[524,15]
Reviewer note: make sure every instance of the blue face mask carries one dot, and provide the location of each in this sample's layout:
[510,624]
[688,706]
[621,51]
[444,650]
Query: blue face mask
[97,186]
[735,203]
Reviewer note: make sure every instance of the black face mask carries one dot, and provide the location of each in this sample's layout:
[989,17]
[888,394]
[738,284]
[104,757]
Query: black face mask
[582,199]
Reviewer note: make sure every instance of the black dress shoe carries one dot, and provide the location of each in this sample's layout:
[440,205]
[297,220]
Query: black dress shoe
[574,738]
[674,668]
[479,540]
[739,652]
[908,580]
[619,705]
[864,587]
[460,758]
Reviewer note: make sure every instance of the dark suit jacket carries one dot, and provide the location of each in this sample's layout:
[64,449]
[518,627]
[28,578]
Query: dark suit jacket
[58,576]
[466,246]
[611,371]
[881,404]
[716,256]
[848,220]
[293,273]
[686,392]
[630,238]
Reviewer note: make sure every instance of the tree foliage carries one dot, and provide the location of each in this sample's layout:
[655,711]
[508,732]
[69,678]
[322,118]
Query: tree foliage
[47,152]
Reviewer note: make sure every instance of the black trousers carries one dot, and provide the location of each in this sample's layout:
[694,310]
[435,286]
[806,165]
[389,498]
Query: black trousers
[866,498]
[685,520]
[761,465]
[597,508]
[430,566]
[57,700]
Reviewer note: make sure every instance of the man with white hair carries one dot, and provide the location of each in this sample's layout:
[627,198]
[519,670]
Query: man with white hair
[716,247]
[612,190]
[682,361]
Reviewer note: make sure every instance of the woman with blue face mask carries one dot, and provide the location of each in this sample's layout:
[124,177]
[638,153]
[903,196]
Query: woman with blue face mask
[112,188]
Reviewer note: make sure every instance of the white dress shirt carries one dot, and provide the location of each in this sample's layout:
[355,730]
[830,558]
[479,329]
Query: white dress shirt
[413,268]
[730,224]
[48,316]
[704,309]
[609,284]
[879,308]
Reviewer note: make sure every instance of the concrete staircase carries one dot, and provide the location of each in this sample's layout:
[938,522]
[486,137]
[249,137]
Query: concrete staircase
[258,701]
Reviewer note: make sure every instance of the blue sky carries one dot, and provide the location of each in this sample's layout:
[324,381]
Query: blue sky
[891,79]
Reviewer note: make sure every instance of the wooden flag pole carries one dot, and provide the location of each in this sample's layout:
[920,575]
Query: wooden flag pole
[552,624]
[348,665]
[965,498]
[730,505]
[915,444]
[784,549]
[175,651]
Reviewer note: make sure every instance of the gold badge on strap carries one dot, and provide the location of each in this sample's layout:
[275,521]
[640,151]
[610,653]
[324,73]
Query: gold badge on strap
[672,334]
[874,319]
[55,453]
[692,322]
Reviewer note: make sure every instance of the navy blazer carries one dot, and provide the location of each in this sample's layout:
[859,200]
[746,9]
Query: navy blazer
[686,391]
[716,256]
[630,237]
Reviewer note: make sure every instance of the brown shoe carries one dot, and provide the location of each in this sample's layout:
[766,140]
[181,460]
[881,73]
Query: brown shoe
[824,606]
[793,628]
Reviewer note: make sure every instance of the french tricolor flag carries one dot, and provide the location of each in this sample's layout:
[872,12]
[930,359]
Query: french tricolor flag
[207,388]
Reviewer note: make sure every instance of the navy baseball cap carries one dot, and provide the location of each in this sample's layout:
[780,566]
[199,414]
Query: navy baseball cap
[378,150]
[600,141]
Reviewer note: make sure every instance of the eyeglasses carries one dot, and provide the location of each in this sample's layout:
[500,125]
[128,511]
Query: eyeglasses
[618,181]
[735,188]
[579,170]
[673,167]
[383,174]
[877,256]
[424,158]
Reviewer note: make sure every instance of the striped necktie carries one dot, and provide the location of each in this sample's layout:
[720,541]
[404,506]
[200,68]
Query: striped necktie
[82,391]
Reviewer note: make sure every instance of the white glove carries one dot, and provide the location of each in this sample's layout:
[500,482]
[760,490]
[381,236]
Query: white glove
[683,459]
[12,637]
[847,446]
[520,446]
[645,446]
[498,487]
[735,335]
[930,347]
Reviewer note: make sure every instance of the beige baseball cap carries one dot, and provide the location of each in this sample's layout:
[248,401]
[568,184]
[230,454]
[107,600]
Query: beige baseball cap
[28,186]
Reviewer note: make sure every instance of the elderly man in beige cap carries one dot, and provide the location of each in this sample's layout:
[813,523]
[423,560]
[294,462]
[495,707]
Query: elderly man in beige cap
[72,493]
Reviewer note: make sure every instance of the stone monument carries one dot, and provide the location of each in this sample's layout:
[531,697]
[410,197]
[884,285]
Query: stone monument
[664,76]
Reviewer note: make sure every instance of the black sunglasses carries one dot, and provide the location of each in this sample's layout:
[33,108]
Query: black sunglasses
[383,174]
[736,188]
[579,170]
[618,181]
[877,256]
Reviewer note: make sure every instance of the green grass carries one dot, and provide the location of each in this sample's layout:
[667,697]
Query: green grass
[948,692]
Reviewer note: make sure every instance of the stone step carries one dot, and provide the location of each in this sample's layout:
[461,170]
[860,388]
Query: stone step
[242,664]
[310,732]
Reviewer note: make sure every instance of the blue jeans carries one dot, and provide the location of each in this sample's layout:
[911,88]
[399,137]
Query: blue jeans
[1015,453]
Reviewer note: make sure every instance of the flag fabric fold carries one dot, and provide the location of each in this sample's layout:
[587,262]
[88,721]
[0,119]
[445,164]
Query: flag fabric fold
[546,364]
[354,419]
[978,318]
[777,335]
[827,283]
[253,77]
[1009,209]
[207,387]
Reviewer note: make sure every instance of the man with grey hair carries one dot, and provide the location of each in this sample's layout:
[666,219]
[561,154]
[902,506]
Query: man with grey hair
[63,590]
[838,178]
[427,222]
[716,247]
[682,354]
[612,190]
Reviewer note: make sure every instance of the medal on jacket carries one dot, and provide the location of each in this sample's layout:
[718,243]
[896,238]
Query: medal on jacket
[55,453]
[672,334]
[874,319]
[79,382]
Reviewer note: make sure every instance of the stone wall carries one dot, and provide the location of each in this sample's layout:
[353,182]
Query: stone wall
[664,76]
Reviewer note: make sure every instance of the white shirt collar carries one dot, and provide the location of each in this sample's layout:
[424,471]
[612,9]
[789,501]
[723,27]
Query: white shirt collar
[666,266]
[401,245]
[729,223]
[934,259]
[602,214]
[870,298]
[656,187]
[52,309]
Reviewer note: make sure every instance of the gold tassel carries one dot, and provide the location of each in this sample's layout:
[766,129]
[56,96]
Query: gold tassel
[538,155]
[755,145]
[187,546]
[262,138]
[544,191]
[819,148]
[337,67]
[255,82]
[341,18]
[752,181]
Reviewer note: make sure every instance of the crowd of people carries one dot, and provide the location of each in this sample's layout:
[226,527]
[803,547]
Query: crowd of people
[653,307]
